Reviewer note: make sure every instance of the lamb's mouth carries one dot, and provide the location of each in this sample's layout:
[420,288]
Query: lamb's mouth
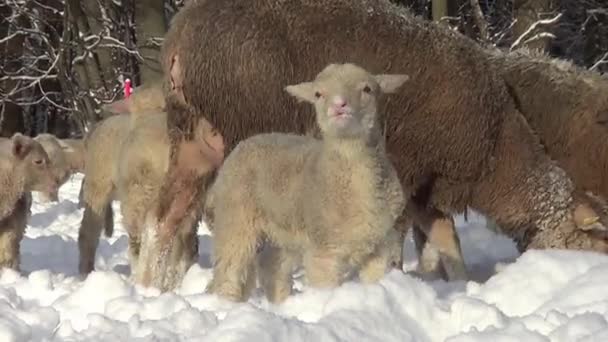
[341,116]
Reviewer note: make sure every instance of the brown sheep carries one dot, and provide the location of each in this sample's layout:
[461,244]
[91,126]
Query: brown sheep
[66,157]
[24,167]
[455,135]
[332,202]
[124,158]
[566,106]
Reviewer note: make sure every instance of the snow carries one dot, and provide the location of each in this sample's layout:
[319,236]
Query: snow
[548,295]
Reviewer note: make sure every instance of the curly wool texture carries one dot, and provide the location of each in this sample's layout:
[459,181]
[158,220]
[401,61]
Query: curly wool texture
[566,106]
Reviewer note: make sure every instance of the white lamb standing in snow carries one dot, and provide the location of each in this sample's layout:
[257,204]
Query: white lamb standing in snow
[330,203]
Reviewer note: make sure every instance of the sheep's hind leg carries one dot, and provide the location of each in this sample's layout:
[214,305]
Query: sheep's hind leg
[324,268]
[387,253]
[235,245]
[275,271]
[438,246]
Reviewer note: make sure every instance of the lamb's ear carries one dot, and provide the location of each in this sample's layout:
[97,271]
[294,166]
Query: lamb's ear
[389,83]
[302,91]
[22,145]
[118,107]
[65,146]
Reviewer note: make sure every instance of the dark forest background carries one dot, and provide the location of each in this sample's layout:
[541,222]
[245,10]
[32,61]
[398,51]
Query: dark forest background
[61,60]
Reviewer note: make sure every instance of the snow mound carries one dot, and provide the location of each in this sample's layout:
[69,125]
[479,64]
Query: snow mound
[549,295]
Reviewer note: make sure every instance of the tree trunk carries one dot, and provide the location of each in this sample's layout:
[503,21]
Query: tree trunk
[439,9]
[11,114]
[150,23]
[102,58]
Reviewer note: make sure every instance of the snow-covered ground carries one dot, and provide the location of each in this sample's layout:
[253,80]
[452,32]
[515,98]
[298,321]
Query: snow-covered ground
[541,296]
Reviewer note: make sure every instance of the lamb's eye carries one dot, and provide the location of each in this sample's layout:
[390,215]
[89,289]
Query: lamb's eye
[317,94]
[38,161]
[367,89]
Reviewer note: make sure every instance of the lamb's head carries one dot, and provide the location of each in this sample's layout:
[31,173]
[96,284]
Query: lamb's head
[59,165]
[205,153]
[345,97]
[32,161]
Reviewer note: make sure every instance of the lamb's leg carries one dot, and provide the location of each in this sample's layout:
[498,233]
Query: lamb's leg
[96,200]
[136,193]
[439,245]
[88,237]
[235,236]
[386,254]
[9,246]
[324,267]
[11,234]
[275,272]
[430,266]
[158,263]
[180,199]
[442,235]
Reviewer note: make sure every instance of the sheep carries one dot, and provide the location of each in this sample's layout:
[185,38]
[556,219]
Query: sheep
[565,106]
[102,145]
[456,130]
[125,158]
[66,157]
[141,166]
[24,167]
[147,98]
[333,201]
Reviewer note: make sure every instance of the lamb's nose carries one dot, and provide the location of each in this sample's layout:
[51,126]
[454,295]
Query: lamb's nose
[339,101]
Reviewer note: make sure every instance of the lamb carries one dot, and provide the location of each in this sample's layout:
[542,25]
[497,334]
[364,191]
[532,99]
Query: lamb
[141,166]
[102,145]
[456,139]
[24,167]
[333,202]
[66,157]
[102,150]
[147,98]
[127,170]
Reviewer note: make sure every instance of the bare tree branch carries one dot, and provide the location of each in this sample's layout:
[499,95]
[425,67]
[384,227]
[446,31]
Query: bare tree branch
[533,27]
[480,21]
[601,61]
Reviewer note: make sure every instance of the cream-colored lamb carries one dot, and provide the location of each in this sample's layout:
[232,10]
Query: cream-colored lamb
[24,167]
[66,157]
[329,203]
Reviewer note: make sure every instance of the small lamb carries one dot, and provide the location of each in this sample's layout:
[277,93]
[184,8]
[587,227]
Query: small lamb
[24,167]
[66,157]
[331,203]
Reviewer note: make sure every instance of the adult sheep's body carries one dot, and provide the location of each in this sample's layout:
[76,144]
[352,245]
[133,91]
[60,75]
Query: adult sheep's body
[567,106]
[453,133]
